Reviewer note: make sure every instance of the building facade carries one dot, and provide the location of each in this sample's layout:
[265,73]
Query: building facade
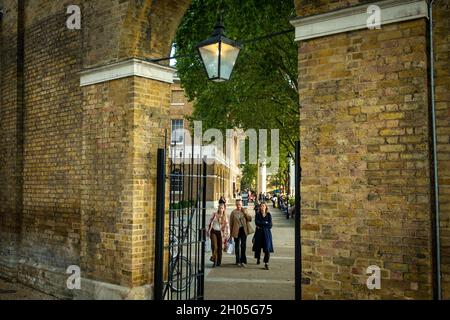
[223,171]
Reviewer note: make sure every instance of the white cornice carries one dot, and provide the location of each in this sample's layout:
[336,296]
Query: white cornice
[128,68]
[355,18]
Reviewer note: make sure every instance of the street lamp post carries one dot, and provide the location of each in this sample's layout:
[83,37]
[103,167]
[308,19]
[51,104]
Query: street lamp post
[288,171]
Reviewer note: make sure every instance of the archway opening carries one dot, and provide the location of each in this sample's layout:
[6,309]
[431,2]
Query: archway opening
[258,110]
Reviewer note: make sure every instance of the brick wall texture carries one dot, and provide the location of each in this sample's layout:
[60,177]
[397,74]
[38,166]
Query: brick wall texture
[442,69]
[78,165]
[365,133]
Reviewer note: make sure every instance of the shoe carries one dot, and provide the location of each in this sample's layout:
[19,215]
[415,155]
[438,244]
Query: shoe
[218,264]
[243,265]
[213,265]
[258,261]
[266,266]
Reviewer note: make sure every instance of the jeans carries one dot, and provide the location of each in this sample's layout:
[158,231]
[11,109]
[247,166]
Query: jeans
[240,244]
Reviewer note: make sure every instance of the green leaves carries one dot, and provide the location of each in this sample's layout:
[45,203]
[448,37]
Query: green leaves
[262,92]
[249,176]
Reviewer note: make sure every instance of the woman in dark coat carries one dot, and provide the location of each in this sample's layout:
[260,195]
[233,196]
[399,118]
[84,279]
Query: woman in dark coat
[263,235]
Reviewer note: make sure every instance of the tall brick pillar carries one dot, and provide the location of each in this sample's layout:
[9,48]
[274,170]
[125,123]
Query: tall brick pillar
[11,145]
[441,37]
[125,114]
[366,193]
[77,163]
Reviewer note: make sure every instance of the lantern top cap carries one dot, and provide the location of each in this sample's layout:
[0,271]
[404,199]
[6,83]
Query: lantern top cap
[219,29]
[218,35]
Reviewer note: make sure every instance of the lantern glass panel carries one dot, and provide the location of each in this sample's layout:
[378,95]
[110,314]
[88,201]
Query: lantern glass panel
[210,57]
[228,60]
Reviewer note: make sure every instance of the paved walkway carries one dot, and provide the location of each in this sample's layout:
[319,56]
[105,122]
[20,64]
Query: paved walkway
[230,282]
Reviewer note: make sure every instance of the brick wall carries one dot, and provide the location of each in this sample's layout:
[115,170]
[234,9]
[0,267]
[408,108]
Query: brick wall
[442,67]
[10,195]
[40,145]
[52,125]
[89,155]
[123,125]
[152,103]
[311,7]
[366,187]
[84,158]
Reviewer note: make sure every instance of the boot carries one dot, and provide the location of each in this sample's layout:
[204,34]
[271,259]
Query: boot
[266,266]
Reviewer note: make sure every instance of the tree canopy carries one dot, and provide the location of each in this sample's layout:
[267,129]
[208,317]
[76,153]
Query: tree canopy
[262,92]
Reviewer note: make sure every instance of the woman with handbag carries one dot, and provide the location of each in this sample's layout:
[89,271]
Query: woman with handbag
[263,235]
[218,231]
[240,228]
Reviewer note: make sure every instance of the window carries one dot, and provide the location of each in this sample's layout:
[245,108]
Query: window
[176,181]
[177,131]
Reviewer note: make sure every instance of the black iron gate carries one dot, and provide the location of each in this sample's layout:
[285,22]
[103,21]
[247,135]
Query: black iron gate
[180,257]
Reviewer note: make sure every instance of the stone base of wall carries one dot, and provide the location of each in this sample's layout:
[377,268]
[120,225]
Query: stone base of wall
[96,290]
[8,267]
[53,281]
[49,280]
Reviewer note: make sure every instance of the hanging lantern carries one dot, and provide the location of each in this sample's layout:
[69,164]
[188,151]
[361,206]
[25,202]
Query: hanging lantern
[219,54]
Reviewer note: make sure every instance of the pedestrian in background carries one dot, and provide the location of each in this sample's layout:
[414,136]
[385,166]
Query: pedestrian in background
[274,201]
[257,204]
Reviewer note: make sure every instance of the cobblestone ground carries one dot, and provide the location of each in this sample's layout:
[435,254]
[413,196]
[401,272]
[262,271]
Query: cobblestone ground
[16,291]
[230,282]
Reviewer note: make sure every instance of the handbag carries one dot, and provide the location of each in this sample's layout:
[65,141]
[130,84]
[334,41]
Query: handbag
[208,245]
[250,228]
[230,248]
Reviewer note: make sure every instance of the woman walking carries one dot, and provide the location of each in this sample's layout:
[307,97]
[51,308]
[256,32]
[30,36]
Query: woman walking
[218,231]
[263,235]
